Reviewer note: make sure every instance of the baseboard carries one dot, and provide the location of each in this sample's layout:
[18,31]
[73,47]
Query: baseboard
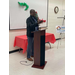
[22,49]
[58,39]
[15,50]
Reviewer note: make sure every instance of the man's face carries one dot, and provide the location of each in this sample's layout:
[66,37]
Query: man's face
[33,13]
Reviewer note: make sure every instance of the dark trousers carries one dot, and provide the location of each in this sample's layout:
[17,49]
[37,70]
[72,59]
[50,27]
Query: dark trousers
[30,47]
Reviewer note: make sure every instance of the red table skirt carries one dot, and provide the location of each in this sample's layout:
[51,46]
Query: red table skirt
[22,42]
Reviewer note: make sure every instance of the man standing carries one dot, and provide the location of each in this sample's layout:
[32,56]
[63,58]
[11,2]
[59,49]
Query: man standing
[32,25]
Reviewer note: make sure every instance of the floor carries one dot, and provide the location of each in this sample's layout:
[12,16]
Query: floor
[55,62]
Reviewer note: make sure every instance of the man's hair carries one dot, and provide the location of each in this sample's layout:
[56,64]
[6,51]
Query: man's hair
[32,10]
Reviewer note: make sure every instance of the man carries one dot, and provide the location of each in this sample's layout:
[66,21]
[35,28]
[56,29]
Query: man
[32,25]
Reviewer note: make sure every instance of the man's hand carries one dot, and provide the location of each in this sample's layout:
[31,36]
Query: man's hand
[40,21]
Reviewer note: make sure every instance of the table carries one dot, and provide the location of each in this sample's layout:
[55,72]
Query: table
[22,42]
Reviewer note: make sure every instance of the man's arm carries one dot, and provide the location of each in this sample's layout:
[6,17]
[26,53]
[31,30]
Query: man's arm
[31,25]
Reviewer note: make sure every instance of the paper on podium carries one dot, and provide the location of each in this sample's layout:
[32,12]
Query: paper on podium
[40,29]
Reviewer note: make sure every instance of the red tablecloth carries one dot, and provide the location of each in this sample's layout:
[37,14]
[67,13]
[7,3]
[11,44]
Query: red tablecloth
[22,42]
[49,37]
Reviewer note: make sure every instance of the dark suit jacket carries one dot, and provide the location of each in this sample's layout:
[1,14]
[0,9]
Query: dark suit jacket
[31,24]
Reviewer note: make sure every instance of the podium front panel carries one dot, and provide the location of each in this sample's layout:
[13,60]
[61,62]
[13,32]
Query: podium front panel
[39,48]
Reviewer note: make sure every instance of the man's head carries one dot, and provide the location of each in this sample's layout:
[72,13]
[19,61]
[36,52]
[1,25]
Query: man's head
[32,12]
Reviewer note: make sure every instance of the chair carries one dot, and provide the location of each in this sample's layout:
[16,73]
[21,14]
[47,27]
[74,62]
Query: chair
[61,30]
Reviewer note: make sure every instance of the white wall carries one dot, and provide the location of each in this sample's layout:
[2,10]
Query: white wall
[52,17]
[52,22]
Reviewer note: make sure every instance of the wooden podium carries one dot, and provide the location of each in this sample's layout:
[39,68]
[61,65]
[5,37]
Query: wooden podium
[39,49]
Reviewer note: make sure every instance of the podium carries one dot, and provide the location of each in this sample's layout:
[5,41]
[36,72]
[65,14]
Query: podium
[39,49]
